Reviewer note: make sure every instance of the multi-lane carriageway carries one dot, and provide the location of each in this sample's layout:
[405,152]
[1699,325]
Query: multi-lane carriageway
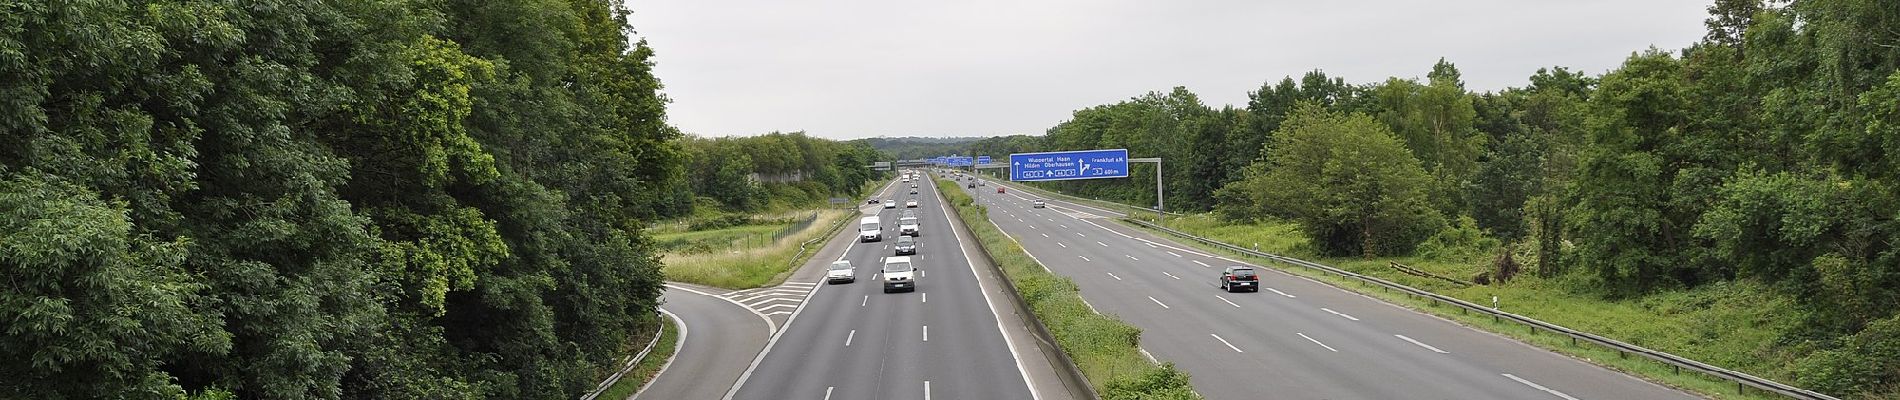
[943,341]
[1294,339]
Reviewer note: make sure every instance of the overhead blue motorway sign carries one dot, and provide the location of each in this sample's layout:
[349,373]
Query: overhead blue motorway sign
[959,161]
[982,159]
[1067,165]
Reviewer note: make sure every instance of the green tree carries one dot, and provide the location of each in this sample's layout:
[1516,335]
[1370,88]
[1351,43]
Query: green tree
[1351,185]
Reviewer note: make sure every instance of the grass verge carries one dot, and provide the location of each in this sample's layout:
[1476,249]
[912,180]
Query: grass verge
[648,367]
[1105,349]
[1734,325]
[762,264]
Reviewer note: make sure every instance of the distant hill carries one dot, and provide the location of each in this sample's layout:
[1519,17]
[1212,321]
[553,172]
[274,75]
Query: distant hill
[921,147]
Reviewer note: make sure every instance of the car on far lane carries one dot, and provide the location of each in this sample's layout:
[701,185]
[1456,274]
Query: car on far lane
[906,245]
[971,185]
[999,189]
[892,203]
[913,190]
[1037,203]
[841,271]
[1239,278]
[912,203]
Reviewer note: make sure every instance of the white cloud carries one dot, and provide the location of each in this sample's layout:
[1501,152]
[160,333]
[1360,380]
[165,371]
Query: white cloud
[848,69]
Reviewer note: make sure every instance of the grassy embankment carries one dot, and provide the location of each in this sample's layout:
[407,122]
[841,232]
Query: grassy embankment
[1104,348]
[740,251]
[1732,325]
[648,367]
[745,256]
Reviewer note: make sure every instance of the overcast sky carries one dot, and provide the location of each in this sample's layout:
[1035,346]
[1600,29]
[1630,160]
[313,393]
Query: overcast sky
[851,69]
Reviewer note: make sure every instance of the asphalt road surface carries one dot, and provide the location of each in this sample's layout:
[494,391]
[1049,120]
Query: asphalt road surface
[852,341]
[721,338]
[1294,339]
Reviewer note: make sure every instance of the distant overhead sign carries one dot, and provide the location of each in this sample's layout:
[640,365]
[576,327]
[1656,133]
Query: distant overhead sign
[982,159]
[958,161]
[1066,165]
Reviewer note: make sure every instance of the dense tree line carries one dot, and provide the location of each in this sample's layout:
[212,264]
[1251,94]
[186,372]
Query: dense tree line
[1764,152]
[322,199]
[789,169]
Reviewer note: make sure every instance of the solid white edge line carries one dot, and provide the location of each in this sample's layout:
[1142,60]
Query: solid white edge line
[678,344]
[1534,385]
[1163,305]
[1316,341]
[963,246]
[1224,341]
[1422,344]
[775,332]
[770,327]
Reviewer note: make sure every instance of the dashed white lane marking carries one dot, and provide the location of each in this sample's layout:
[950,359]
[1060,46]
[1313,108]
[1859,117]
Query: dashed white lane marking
[1338,313]
[1084,258]
[1422,344]
[926,333]
[1081,234]
[1112,275]
[925,296]
[926,390]
[1229,302]
[1281,293]
[1045,235]
[1100,243]
[1310,339]
[848,337]
[1203,265]
[828,392]
[1151,245]
[867,300]
[1534,385]
[1163,305]
[1173,254]
[1063,245]
[1170,275]
[1064,226]
[1131,257]
[1224,341]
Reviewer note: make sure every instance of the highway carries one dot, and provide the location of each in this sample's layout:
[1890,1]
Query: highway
[943,341]
[1296,338]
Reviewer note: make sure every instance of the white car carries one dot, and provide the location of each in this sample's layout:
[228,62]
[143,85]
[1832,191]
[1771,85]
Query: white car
[912,203]
[907,226]
[899,274]
[891,204]
[1036,204]
[841,271]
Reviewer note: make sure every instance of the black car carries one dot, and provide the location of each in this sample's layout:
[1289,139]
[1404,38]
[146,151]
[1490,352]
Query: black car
[1239,278]
[906,245]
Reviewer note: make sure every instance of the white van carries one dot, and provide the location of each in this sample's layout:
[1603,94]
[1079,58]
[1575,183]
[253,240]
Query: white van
[899,274]
[907,226]
[870,230]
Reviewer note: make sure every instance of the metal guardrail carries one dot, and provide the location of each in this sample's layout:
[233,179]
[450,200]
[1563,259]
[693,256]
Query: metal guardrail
[1072,377]
[806,246]
[631,361]
[1740,379]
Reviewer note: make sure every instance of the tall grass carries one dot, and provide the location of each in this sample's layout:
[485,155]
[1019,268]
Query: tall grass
[1105,349]
[1736,325]
[758,265]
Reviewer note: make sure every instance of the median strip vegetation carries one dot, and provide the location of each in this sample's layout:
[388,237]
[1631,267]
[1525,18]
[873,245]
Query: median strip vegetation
[1105,349]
